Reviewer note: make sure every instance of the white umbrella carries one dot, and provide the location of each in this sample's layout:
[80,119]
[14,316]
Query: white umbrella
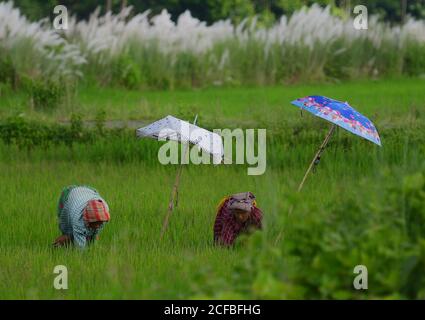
[172,128]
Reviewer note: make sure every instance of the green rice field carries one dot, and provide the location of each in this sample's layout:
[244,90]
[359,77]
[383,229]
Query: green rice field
[364,205]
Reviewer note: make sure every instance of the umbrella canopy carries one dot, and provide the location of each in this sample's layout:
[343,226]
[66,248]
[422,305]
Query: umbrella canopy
[172,128]
[341,114]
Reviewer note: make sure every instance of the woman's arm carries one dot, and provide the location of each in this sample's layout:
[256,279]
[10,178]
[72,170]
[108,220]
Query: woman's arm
[62,240]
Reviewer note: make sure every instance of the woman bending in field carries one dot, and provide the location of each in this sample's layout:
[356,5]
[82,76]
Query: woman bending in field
[236,214]
[82,213]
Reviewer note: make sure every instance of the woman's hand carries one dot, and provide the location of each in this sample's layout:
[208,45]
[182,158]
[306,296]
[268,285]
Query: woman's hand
[62,241]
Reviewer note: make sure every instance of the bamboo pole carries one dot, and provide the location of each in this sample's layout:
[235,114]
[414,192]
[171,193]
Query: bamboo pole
[312,164]
[317,156]
[175,191]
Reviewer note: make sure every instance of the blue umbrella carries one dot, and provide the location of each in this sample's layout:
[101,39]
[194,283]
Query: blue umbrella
[339,114]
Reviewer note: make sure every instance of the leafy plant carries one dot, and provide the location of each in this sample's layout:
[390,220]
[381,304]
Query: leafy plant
[45,95]
[125,72]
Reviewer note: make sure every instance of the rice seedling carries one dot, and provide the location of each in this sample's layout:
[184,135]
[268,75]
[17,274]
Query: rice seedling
[364,205]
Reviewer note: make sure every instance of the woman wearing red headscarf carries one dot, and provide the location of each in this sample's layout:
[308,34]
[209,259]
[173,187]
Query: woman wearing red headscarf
[82,213]
[236,214]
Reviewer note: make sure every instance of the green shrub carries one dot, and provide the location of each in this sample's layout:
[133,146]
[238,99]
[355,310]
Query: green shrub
[16,130]
[414,59]
[414,205]
[23,133]
[335,66]
[7,71]
[100,122]
[45,94]
[125,72]
[323,242]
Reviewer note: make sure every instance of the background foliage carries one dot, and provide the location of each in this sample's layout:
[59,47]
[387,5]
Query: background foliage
[213,10]
[69,103]
[152,51]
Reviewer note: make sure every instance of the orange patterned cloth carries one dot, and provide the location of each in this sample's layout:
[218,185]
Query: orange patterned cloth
[96,211]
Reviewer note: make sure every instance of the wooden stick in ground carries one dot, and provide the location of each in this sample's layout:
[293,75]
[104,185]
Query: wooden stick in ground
[318,153]
[175,190]
[317,156]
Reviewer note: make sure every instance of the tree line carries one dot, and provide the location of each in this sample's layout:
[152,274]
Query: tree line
[394,11]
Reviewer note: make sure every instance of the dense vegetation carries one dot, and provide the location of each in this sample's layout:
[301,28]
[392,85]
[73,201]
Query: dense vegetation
[70,101]
[144,51]
[213,10]
[363,205]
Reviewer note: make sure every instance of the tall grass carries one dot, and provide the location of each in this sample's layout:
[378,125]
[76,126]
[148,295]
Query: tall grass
[153,51]
[34,49]
[364,205]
